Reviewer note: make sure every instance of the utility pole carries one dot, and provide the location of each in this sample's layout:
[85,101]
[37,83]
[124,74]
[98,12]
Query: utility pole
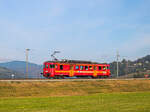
[27,52]
[127,64]
[118,63]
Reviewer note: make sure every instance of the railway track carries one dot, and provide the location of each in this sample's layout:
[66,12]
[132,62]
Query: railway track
[63,80]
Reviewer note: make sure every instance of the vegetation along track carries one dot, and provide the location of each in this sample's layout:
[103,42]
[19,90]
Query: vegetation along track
[70,87]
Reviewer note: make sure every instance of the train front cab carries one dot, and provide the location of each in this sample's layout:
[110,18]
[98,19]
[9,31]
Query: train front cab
[48,70]
[103,71]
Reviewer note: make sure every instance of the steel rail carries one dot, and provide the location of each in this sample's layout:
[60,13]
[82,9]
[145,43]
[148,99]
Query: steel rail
[65,80]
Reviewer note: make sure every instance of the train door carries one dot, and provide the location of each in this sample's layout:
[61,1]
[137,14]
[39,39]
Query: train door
[95,71]
[71,71]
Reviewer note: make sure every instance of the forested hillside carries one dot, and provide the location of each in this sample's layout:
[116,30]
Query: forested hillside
[139,66]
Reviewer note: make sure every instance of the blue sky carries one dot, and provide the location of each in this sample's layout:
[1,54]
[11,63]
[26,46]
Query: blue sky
[81,29]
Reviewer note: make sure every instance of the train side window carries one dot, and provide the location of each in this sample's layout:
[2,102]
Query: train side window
[76,67]
[104,68]
[99,68]
[107,67]
[81,67]
[90,67]
[86,67]
[46,66]
[61,67]
[52,66]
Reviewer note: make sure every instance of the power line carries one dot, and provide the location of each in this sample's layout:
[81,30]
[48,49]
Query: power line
[53,55]
[118,63]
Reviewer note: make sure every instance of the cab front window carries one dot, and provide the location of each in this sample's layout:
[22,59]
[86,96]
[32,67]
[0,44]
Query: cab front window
[46,66]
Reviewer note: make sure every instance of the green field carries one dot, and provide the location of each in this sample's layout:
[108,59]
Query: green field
[110,102]
[82,96]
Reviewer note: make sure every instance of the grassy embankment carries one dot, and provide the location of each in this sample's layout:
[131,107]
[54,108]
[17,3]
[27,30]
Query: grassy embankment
[98,96]
[46,89]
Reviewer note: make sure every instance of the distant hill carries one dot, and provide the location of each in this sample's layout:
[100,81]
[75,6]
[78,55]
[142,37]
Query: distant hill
[20,66]
[136,68]
[7,74]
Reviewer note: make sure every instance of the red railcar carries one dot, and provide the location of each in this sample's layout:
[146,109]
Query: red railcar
[70,68]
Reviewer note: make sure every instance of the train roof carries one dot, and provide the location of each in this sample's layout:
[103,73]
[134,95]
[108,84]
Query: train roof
[74,62]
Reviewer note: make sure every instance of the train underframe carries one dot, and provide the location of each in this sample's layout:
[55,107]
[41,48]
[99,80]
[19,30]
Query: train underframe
[75,76]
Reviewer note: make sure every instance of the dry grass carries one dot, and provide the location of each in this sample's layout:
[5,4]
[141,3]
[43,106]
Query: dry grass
[92,96]
[46,89]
